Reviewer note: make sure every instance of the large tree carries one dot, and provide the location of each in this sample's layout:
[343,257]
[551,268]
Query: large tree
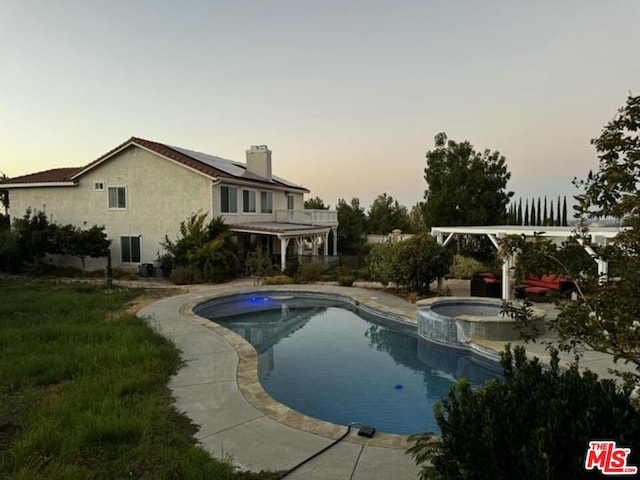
[352,226]
[386,214]
[465,187]
[608,321]
[315,203]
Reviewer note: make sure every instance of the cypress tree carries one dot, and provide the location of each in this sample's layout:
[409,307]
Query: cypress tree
[539,210]
[545,217]
[519,218]
[533,220]
[526,213]
[559,217]
[564,212]
[552,220]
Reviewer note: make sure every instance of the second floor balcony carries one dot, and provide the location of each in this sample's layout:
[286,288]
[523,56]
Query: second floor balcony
[308,217]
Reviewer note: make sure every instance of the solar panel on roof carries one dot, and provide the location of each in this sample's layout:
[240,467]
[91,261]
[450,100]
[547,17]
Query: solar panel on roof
[227,166]
[231,167]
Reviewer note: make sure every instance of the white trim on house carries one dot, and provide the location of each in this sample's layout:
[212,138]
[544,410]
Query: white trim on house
[41,184]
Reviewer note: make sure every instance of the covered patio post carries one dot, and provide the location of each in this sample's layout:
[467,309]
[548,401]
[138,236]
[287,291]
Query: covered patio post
[284,243]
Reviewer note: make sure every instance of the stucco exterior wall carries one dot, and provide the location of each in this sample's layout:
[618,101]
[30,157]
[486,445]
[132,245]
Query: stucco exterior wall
[160,194]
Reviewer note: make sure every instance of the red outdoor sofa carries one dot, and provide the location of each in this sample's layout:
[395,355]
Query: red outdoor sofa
[545,284]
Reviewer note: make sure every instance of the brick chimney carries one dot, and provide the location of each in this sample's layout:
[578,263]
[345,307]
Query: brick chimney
[259,161]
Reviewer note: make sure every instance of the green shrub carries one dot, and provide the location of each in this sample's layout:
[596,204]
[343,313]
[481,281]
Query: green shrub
[259,263]
[311,271]
[365,273]
[379,263]
[346,280]
[418,261]
[183,275]
[534,424]
[278,280]
[206,248]
[465,267]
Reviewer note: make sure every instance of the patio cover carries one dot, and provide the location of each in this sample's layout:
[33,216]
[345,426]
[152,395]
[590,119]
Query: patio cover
[599,236]
[291,231]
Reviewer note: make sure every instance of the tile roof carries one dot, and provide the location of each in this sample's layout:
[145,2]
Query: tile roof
[54,175]
[203,163]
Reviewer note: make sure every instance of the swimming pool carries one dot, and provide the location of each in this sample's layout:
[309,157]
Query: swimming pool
[328,359]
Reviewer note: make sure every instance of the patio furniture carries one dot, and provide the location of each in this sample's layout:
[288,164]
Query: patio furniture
[486,284]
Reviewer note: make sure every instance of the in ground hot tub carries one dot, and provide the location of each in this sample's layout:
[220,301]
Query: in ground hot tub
[458,321]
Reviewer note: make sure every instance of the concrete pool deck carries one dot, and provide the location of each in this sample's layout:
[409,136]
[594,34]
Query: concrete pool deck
[218,389]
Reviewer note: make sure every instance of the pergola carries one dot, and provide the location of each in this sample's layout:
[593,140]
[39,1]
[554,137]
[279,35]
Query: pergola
[599,236]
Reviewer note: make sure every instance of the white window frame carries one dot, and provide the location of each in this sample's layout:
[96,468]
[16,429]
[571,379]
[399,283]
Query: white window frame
[291,202]
[98,186]
[247,208]
[126,197]
[264,194]
[131,260]
[230,189]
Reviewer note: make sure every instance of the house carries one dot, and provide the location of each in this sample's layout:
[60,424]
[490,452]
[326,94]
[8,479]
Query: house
[141,191]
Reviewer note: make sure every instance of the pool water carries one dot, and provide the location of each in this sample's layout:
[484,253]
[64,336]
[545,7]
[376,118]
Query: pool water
[326,360]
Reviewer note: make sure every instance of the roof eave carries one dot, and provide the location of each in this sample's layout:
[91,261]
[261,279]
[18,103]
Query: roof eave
[38,184]
[264,185]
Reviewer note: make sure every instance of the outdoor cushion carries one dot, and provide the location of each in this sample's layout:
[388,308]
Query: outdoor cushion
[537,290]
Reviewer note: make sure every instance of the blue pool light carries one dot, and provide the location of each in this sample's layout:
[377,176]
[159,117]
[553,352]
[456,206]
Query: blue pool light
[397,386]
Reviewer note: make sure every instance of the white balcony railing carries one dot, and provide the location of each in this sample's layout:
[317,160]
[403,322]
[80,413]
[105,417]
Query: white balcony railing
[308,217]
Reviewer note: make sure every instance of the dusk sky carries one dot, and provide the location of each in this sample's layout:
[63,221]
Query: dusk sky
[347,94]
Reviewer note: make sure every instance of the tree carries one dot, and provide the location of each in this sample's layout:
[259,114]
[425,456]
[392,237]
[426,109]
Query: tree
[564,212]
[4,197]
[552,220]
[413,263]
[379,262]
[417,223]
[534,219]
[534,424]
[465,187]
[386,214]
[352,226]
[545,213]
[606,320]
[204,249]
[519,220]
[526,212]
[35,237]
[315,203]
[81,243]
[419,261]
